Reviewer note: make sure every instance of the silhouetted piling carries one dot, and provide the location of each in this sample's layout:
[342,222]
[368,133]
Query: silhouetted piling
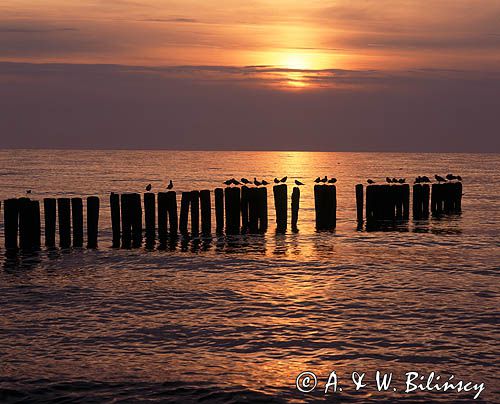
[252,201]
[25,224]
[114,203]
[195,212]
[11,223]
[206,212]
[295,206]
[150,214]
[325,203]
[136,220]
[77,221]
[162,217]
[405,195]
[262,203]
[37,232]
[245,207]
[64,215]
[280,193]
[219,209]
[184,216]
[426,191]
[359,202]
[126,212]
[49,213]
[417,201]
[92,221]
[232,208]
[173,221]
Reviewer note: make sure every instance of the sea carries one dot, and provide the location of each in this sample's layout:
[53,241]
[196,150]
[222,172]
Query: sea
[242,318]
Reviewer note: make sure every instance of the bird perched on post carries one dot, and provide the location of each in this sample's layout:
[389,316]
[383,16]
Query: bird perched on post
[388,180]
[297,182]
[425,179]
[148,187]
[317,180]
[235,181]
[394,180]
[264,182]
[324,179]
[284,179]
[418,180]
[245,181]
[458,178]
[170,185]
[402,180]
[228,182]
[439,178]
[332,180]
[28,191]
[276,181]
[256,183]
[450,177]
[369,181]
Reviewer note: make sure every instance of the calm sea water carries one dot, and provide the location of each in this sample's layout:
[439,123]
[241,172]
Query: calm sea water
[237,319]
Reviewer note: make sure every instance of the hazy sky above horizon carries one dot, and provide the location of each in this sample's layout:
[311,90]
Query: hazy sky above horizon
[331,74]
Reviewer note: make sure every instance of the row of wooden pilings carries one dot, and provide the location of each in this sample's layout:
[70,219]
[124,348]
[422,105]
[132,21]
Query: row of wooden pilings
[392,202]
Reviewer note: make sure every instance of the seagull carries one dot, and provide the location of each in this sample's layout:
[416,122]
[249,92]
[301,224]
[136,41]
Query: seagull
[170,185]
[388,180]
[317,180]
[284,179]
[276,181]
[148,187]
[228,182]
[256,183]
[394,180]
[439,179]
[425,179]
[458,178]
[28,191]
[402,180]
[324,179]
[264,182]
[369,181]
[297,182]
[418,180]
[450,177]
[332,180]
[245,181]
[235,181]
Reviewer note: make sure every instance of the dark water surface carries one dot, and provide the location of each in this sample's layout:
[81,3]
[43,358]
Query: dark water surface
[237,319]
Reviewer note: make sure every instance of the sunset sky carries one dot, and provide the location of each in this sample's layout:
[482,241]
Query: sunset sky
[333,75]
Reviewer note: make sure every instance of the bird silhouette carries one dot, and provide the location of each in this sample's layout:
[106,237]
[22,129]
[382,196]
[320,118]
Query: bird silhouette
[394,180]
[256,183]
[425,179]
[245,181]
[28,191]
[148,187]
[418,180]
[228,182]
[458,178]
[369,181]
[317,180]
[332,180]
[235,181]
[284,179]
[450,177]
[324,179]
[388,180]
[170,185]
[439,178]
[276,181]
[402,180]
[297,182]
[264,182]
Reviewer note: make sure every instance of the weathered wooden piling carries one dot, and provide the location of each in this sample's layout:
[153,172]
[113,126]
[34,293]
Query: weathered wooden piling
[262,203]
[37,231]
[206,212]
[417,201]
[325,203]
[25,224]
[162,217]
[245,207]
[49,213]
[219,209]
[77,221]
[253,215]
[280,193]
[136,219]
[232,208]
[114,203]
[64,215]
[11,223]
[126,212]
[150,214]
[359,202]
[370,200]
[295,207]
[173,221]
[195,212]
[92,221]
[405,195]
[426,191]
[184,215]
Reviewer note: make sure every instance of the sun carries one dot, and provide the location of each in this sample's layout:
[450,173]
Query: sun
[295,62]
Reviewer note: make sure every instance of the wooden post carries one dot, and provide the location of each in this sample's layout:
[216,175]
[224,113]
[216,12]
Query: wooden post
[114,203]
[126,210]
[37,233]
[77,220]
[262,203]
[206,212]
[359,202]
[369,208]
[185,201]
[232,208]
[64,214]
[136,219]
[417,201]
[458,197]
[405,194]
[426,191]
[11,223]
[331,206]
[219,209]
[253,209]
[162,217]
[281,206]
[49,213]
[92,221]
[25,224]
[437,199]
[295,207]
[195,213]
[245,206]
[172,213]
[318,199]
[150,214]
